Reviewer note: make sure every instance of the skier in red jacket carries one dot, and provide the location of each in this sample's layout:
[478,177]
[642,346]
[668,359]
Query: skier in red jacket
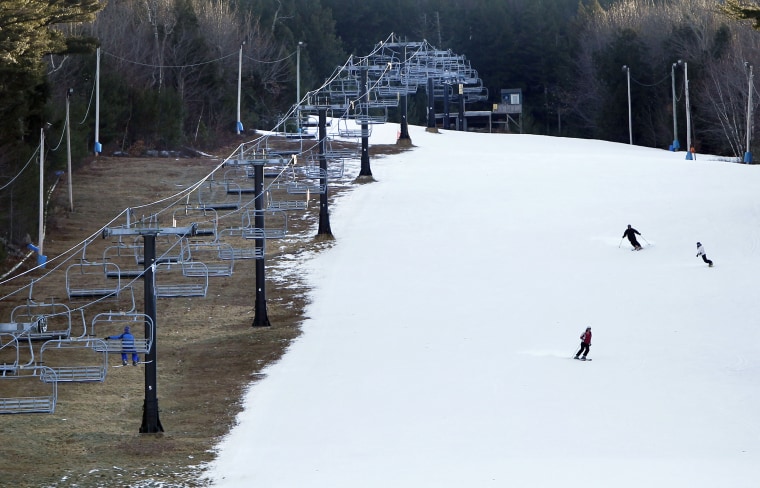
[585,344]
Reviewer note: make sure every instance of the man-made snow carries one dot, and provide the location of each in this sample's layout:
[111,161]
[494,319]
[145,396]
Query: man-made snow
[438,349]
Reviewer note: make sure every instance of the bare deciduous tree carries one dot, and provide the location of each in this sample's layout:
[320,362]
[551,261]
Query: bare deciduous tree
[714,46]
[183,50]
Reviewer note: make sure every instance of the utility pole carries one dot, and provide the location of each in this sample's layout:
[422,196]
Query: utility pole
[689,155]
[41,218]
[750,88]
[68,149]
[98,147]
[627,71]
[676,145]
[239,124]
[298,71]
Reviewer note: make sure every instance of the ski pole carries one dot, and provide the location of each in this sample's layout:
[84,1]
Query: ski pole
[646,241]
[621,243]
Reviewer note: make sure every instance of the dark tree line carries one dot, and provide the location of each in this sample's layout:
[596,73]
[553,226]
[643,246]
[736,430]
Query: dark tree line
[28,35]
[169,69]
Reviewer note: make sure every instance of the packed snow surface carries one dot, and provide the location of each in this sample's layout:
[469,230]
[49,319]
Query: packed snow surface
[438,346]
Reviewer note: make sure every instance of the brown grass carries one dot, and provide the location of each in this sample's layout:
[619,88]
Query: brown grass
[207,350]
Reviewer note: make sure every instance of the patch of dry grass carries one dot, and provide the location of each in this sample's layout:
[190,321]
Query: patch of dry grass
[208,353]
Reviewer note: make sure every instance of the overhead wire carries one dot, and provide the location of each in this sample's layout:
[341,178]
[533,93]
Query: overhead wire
[167,66]
[21,171]
[173,200]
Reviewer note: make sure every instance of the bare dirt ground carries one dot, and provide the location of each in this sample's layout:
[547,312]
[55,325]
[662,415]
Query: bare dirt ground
[207,351]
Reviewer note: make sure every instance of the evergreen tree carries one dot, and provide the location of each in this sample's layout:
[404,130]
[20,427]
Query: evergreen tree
[28,32]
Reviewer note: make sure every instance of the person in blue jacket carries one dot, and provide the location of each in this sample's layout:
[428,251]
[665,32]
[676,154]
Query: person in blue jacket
[127,346]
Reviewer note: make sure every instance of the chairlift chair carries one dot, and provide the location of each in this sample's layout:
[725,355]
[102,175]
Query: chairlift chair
[214,195]
[74,360]
[171,281]
[91,280]
[206,258]
[26,392]
[108,324]
[276,223]
[239,244]
[44,320]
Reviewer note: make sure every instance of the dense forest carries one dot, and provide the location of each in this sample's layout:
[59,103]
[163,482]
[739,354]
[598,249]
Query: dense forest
[167,71]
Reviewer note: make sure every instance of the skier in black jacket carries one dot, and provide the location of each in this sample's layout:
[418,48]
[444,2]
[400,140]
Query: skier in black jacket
[630,233]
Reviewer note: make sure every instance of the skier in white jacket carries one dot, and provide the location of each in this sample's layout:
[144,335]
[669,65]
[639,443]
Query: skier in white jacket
[701,252]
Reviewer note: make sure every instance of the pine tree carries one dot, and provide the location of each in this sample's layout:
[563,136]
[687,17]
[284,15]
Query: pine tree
[28,32]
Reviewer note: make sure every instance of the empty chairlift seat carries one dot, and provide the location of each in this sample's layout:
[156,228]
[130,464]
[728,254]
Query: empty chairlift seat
[170,280]
[335,167]
[352,128]
[29,390]
[211,258]
[275,223]
[313,181]
[240,243]
[215,195]
[123,255]
[91,280]
[276,202]
[74,360]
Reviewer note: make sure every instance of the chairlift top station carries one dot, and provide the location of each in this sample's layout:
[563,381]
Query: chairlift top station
[393,69]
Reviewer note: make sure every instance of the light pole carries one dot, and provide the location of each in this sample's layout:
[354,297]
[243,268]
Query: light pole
[41,218]
[239,124]
[750,76]
[627,71]
[98,148]
[689,154]
[298,72]
[676,145]
[69,92]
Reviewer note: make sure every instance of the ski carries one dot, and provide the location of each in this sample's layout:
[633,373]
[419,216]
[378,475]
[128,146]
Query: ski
[128,364]
[587,359]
